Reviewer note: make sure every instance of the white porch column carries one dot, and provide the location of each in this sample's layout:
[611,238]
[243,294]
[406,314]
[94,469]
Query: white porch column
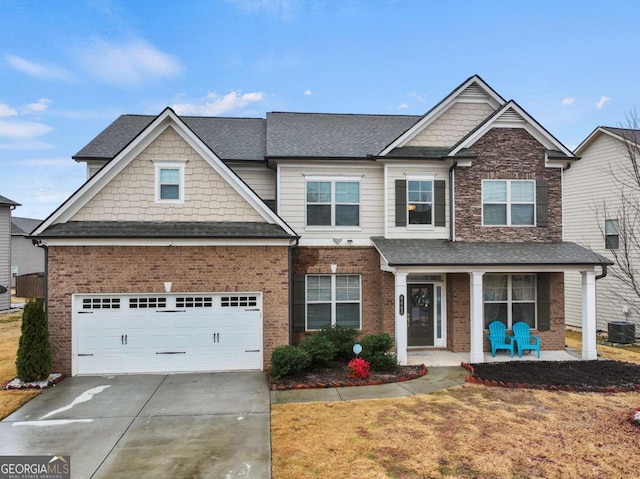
[401,317]
[589,350]
[476,354]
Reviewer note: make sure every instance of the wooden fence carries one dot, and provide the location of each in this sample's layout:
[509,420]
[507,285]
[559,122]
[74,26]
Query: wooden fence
[30,285]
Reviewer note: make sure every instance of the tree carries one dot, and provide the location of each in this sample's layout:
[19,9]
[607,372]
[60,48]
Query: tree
[33,362]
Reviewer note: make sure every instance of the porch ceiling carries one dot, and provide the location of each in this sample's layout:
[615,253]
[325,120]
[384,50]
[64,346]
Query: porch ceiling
[426,252]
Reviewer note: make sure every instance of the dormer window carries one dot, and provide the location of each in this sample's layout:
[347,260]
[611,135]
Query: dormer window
[169,181]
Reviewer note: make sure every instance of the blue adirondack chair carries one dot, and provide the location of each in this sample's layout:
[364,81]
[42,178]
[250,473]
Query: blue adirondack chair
[498,338]
[523,339]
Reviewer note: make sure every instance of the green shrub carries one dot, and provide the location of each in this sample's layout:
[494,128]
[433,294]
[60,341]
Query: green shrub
[381,362]
[375,350]
[377,343]
[321,350]
[342,338]
[33,361]
[287,360]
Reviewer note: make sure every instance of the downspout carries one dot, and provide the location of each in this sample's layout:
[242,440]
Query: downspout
[604,272]
[452,202]
[40,244]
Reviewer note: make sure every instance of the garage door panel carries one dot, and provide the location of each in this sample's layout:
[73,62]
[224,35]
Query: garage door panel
[167,332]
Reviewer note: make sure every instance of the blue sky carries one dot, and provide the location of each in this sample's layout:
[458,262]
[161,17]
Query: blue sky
[69,68]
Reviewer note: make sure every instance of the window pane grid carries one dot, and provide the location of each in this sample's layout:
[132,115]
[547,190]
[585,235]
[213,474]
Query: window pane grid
[333,300]
[333,203]
[509,299]
[508,202]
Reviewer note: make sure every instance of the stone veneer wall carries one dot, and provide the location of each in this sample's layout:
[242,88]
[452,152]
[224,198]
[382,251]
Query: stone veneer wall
[505,153]
[130,269]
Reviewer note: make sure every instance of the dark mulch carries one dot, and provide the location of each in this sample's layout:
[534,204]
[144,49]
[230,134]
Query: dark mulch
[578,375]
[337,377]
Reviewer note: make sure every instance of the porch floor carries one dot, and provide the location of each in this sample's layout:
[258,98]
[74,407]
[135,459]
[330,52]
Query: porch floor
[447,358]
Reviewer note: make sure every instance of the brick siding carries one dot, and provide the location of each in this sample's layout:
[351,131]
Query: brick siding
[120,269]
[377,300]
[505,153]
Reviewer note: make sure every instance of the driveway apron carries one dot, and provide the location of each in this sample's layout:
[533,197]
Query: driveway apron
[205,425]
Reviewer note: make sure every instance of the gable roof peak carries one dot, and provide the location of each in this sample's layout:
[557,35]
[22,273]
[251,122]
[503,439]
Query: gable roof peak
[473,90]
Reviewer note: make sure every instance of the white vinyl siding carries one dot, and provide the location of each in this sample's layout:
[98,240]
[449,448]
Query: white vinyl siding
[292,199]
[583,223]
[409,172]
[25,256]
[5,256]
[260,179]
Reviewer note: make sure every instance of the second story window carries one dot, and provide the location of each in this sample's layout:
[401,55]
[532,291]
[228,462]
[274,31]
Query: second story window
[508,202]
[333,202]
[420,202]
[169,181]
[611,234]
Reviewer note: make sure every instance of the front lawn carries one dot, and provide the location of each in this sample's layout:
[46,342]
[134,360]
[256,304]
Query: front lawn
[469,431]
[9,337]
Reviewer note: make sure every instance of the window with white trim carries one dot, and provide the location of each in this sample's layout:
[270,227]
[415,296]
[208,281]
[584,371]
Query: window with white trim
[333,202]
[420,201]
[509,298]
[169,181]
[508,202]
[333,300]
[611,234]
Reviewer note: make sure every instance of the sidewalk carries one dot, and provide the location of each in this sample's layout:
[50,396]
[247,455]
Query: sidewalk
[436,378]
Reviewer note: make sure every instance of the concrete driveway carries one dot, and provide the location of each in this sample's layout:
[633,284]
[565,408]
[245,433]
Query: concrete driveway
[205,425]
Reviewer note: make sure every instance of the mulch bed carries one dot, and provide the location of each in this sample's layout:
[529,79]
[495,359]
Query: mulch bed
[598,376]
[337,377]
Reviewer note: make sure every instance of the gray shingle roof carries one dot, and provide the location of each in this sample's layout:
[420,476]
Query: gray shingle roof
[6,201]
[23,226]
[229,138]
[434,152]
[333,135]
[406,252]
[626,133]
[162,229]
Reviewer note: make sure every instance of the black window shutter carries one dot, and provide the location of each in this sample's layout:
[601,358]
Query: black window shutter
[542,203]
[299,306]
[544,302]
[439,203]
[401,203]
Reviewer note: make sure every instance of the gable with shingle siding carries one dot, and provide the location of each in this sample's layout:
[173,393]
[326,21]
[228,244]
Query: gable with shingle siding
[131,194]
[452,125]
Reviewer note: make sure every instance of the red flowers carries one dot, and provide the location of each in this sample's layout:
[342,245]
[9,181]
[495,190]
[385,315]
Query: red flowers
[358,369]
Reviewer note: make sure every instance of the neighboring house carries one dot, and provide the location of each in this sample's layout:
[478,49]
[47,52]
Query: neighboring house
[594,218]
[204,243]
[26,258]
[6,206]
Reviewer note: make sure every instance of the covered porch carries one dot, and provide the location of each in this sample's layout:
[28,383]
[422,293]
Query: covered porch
[464,314]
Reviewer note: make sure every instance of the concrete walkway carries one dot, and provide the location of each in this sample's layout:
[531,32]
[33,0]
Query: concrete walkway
[436,378]
[205,425]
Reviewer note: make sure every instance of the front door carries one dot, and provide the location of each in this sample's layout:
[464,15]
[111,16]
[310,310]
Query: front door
[420,329]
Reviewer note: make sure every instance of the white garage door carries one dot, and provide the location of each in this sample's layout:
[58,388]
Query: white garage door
[167,332]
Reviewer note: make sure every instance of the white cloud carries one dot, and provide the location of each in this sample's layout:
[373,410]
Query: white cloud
[214,104]
[37,70]
[38,107]
[420,97]
[567,101]
[307,93]
[127,64]
[603,100]
[6,110]
[403,106]
[22,129]
[16,145]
